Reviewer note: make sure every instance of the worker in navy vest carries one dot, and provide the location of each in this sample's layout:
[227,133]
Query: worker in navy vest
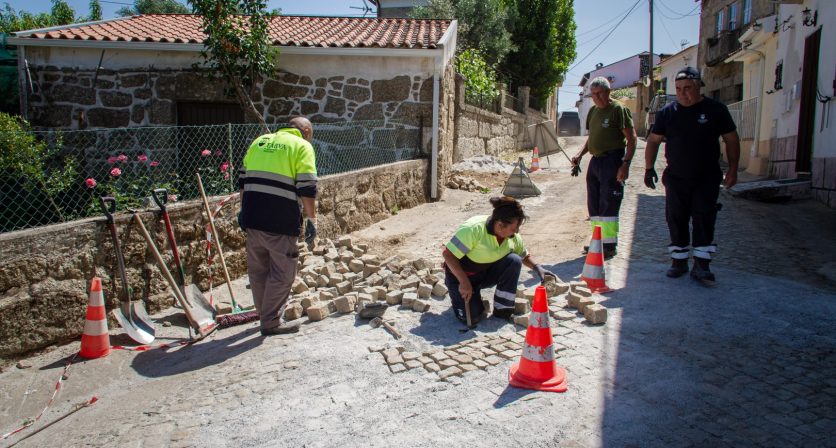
[279,173]
[488,251]
[692,127]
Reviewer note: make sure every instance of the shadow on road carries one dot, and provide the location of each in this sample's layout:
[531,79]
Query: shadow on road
[167,362]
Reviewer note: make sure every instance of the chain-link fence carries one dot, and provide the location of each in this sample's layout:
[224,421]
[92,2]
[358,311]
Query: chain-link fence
[128,163]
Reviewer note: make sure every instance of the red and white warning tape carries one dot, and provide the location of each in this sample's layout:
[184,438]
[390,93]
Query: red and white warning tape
[31,421]
[145,348]
[209,239]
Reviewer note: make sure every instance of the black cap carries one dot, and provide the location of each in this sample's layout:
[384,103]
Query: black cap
[689,73]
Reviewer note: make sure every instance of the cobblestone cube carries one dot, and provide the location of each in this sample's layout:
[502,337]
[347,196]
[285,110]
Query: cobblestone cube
[335,279]
[299,286]
[432,367]
[480,363]
[409,299]
[438,356]
[448,372]
[421,306]
[560,288]
[357,252]
[563,315]
[344,287]
[318,311]
[409,356]
[379,292]
[356,265]
[370,259]
[413,364]
[425,360]
[440,290]
[521,306]
[307,302]
[572,300]
[392,356]
[595,313]
[397,368]
[584,302]
[509,354]
[293,311]
[394,297]
[444,363]
[344,241]
[582,291]
[493,360]
[376,348]
[351,277]
[424,290]
[327,294]
[522,320]
[344,304]
[529,294]
[462,359]
[467,367]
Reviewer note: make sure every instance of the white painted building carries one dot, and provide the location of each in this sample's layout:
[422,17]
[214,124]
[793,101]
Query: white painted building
[670,65]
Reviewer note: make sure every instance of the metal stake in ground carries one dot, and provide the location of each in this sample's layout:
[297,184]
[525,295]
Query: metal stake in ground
[216,238]
[131,315]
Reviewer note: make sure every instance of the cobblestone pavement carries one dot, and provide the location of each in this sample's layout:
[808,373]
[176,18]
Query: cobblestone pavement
[750,362]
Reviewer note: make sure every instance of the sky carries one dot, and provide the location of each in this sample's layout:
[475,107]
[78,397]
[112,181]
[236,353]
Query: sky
[674,21]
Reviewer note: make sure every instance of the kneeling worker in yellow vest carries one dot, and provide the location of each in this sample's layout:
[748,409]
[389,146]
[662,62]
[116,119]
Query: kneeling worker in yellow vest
[487,251]
[279,172]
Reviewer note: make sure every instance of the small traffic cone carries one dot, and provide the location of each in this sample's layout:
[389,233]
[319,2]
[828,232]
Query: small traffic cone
[537,368]
[95,341]
[535,161]
[593,268]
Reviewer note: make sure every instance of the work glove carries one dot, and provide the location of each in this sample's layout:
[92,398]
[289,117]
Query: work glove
[576,169]
[310,232]
[650,178]
[540,272]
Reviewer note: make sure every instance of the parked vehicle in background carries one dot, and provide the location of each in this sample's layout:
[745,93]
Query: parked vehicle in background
[659,101]
[569,123]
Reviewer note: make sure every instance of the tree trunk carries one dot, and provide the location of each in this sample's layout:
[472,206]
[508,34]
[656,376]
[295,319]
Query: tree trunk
[247,104]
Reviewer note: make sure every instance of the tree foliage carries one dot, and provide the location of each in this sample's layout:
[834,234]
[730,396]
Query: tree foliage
[482,25]
[154,7]
[60,14]
[479,77]
[543,32]
[95,11]
[238,46]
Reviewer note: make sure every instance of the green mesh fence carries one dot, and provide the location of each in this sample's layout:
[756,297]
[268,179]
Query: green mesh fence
[128,163]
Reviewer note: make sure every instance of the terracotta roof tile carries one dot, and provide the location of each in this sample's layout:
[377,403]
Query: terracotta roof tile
[296,31]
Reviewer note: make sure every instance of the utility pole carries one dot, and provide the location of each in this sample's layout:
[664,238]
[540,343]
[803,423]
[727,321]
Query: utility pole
[650,57]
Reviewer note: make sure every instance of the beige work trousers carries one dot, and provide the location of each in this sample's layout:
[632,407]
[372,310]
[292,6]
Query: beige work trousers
[271,265]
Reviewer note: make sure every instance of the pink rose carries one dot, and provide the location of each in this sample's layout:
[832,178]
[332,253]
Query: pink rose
[90,182]
[115,172]
[111,160]
[122,158]
[142,158]
[224,166]
[154,163]
[172,198]
[218,152]
[206,153]
[226,176]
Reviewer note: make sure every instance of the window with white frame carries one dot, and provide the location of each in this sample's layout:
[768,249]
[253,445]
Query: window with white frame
[720,21]
[733,16]
[747,11]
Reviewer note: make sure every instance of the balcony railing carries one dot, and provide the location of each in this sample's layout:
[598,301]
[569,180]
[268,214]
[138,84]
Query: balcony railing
[721,46]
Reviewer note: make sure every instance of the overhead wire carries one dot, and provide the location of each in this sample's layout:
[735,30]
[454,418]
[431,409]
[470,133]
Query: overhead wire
[678,16]
[633,8]
[597,27]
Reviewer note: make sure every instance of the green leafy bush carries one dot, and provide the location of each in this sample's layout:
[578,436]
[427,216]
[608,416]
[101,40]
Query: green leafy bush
[479,77]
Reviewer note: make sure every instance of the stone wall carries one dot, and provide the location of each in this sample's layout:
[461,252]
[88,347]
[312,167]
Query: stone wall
[44,272]
[823,183]
[482,132]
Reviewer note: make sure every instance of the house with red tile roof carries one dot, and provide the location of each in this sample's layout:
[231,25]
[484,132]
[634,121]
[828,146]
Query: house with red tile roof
[143,67]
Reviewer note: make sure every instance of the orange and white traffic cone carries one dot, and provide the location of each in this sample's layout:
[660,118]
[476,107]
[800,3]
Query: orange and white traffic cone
[535,161]
[95,341]
[537,368]
[593,268]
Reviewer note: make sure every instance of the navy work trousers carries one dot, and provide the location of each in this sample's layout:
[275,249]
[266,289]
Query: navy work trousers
[692,201]
[504,274]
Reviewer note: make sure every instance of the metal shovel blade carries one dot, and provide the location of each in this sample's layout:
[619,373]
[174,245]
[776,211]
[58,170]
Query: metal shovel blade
[138,326]
[202,311]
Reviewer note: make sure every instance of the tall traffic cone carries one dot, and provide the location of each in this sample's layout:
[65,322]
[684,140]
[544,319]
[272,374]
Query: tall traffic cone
[593,268]
[537,368]
[535,161]
[95,341]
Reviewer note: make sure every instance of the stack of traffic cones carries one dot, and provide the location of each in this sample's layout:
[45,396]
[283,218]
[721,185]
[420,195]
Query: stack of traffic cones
[95,341]
[593,268]
[535,161]
[537,368]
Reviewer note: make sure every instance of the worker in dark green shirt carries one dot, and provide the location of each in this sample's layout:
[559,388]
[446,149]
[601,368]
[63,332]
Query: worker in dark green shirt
[612,143]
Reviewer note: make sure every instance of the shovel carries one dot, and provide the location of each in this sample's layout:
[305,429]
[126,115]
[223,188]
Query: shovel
[130,315]
[194,297]
[199,319]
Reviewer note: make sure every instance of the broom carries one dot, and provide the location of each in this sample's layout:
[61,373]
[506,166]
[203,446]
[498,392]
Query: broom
[238,315]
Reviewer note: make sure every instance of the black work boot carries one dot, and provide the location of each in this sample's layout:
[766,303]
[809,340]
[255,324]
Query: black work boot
[609,251]
[701,273]
[678,268]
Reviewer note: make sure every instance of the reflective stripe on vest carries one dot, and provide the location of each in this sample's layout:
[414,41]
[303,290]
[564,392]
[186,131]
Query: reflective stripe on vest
[276,191]
[609,228]
[538,354]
